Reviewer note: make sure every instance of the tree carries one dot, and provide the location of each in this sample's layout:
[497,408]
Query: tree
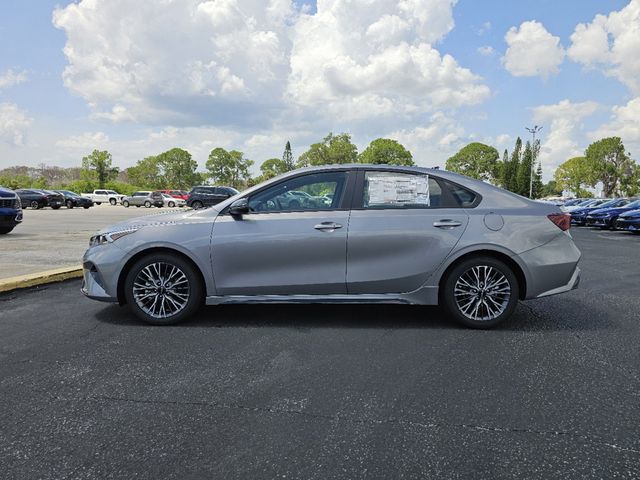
[272,168]
[575,175]
[537,185]
[510,171]
[523,176]
[334,149]
[178,169]
[229,168]
[98,167]
[146,174]
[287,158]
[610,163]
[551,189]
[475,160]
[386,151]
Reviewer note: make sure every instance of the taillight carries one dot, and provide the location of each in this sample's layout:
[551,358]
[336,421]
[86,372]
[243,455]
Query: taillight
[562,220]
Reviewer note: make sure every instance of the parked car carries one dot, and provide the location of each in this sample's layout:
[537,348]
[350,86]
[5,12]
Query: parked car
[589,202]
[391,234]
[629,221]
[607,217]
[177,194]
[72,199]
[104,196]
[10,210]
[144,198]
[36,198]
[579,216]
[172,202]
[206,196]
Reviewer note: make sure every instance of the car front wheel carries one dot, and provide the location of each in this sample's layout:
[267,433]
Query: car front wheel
[125,204]
[172,204]
[113,201]
[480,292]
[163,289]
[196,205]
[35,205]
[5,230]
[147,204]
[69,204]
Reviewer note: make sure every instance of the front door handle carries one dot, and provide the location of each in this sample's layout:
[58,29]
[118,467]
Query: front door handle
[447,223]
[327,226]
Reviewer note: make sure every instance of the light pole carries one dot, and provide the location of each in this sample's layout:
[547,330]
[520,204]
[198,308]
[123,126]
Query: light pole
[533,132]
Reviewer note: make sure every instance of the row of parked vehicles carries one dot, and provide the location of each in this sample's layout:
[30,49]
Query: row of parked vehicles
[605,213]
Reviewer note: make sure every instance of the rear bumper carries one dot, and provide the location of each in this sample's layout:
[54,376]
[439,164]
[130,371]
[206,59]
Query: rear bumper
[572,284]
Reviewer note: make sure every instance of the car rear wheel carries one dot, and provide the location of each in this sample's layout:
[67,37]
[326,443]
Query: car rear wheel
[112,201]
[56,207]
[125,204]
[197,205]
[147,204]
[86,207]
[98,203]
[35,205]
[480,292]
[163,289]
[5,230]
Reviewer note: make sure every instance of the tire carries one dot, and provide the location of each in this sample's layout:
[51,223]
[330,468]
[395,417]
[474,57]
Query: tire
[56,207]
[137,206]
[5,230]
[147,204]
[125,204]
[35,205]
[197,205]
[69,204]
[163,263]
[172,204]
[86,207]
[468,276]
[113,201]
[98,203]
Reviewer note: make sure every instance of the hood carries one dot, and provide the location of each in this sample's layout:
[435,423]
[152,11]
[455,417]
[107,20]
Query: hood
[162,219]
[631,213]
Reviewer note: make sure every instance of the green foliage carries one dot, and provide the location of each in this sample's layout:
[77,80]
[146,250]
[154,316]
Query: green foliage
[538,186]
[551,189]
[475,160]
[510,169]
[334,149]
[178,169]
[575,175]
[147,174]
[287,158]
[386,151]
[610,163]
[272,168]
[523,175]
[229,168]
[98,166]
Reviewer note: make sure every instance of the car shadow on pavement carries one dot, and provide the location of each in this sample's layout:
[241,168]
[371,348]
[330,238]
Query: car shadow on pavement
[308,316]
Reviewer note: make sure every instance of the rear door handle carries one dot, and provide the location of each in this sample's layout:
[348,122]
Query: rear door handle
[327,226]
[446,223]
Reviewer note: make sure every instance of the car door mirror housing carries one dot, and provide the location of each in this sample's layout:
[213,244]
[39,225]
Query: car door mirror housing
[239,207]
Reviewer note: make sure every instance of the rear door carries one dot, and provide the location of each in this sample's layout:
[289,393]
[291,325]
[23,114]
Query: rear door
[402,227]
[278,250]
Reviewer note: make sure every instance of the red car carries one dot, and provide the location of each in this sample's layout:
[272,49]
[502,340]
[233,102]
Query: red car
[176,194]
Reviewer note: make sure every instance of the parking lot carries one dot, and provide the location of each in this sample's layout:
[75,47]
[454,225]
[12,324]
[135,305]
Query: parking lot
[58,238]
[310,391]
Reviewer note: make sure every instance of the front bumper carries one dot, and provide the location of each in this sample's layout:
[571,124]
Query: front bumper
[10,217]
[602,222]
[630,224]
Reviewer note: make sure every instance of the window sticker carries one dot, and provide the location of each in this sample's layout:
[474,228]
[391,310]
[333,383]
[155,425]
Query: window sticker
[397,189]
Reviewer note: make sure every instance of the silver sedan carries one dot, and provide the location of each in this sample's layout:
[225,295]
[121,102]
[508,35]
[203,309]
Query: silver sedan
[385,234]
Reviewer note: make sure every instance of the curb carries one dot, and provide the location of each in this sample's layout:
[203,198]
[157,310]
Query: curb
[40,278]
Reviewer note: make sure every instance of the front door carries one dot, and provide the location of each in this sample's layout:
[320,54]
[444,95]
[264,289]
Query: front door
[282,247]
[402,231]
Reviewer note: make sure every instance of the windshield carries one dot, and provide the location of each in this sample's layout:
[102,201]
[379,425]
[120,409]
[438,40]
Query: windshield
[634,204]
[612,203]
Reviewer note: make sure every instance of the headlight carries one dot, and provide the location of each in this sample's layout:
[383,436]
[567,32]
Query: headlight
[110,237]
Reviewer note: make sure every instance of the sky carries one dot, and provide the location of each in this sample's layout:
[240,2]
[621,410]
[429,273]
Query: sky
[137,77]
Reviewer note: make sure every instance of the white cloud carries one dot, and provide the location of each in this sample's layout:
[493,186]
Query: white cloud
[611,42]
[532,51]
[175,61]
[86,141]
[11,78]
[350,55]
[14,123]
[564,137]
[486,51]
[624,123]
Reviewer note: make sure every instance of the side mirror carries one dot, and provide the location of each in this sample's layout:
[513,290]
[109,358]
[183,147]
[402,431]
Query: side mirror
[239,207]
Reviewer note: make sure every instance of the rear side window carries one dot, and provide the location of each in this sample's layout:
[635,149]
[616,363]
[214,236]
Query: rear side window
[400,190]
[463,197]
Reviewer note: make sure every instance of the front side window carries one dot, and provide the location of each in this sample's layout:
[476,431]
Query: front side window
[319,191]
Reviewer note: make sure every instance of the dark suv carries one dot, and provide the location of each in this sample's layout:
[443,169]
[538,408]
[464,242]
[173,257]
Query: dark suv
[72,199]
[205,196]
[10,210]
[36,198]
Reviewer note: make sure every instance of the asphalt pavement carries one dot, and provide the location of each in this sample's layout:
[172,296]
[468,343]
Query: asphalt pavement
[319,392]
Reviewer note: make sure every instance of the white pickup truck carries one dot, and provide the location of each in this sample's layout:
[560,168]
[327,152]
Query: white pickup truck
[104,196]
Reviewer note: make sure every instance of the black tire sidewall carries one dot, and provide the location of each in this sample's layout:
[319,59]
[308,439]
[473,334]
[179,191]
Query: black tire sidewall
[196,299]
[448,302]
[147,204]
[113,201]
[69,204]
[125,204]
[5,230]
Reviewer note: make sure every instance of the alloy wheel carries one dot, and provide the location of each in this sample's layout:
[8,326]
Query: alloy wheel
[161,290]
[482,293]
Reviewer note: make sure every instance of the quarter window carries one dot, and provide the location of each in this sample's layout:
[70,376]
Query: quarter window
[320,191]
